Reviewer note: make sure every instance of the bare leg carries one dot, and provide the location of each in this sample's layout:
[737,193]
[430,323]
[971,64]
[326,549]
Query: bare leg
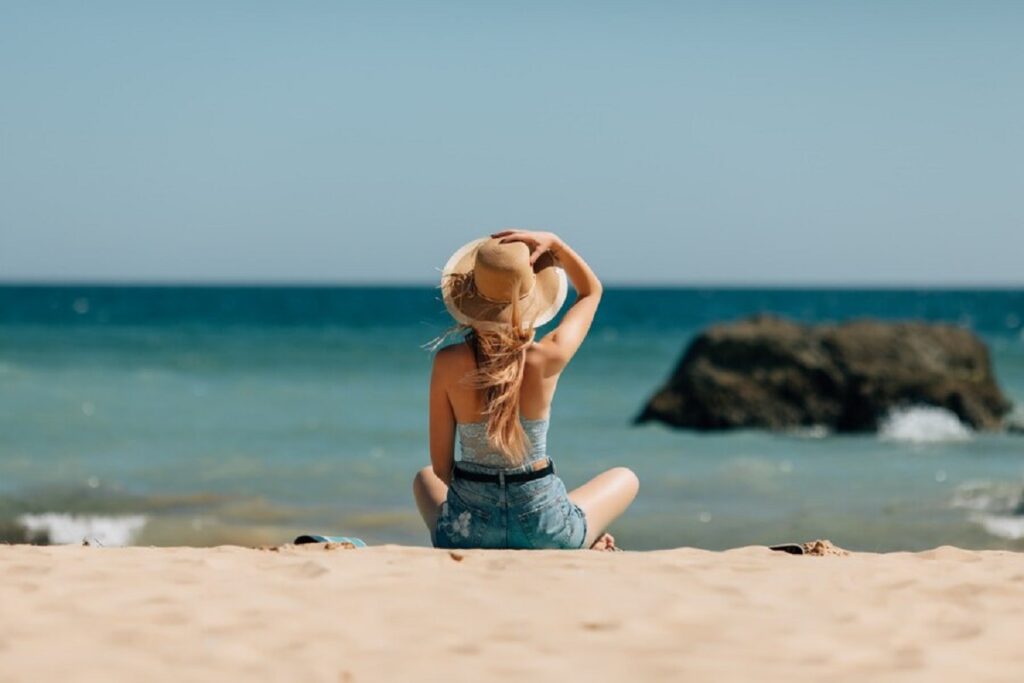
[430,492]
[604,498]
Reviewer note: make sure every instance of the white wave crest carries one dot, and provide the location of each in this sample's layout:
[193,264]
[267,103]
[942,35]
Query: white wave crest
[1003,526]
[1015,420]
[998,497]
[997,507]
[62,528]
[923,424]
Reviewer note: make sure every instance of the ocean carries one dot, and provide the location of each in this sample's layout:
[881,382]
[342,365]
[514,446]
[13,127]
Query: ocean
[248,415]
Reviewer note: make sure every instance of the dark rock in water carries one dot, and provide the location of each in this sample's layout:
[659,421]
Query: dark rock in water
[12,532]
[765,372]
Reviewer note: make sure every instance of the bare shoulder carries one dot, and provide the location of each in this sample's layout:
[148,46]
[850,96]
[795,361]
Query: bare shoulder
[454,359]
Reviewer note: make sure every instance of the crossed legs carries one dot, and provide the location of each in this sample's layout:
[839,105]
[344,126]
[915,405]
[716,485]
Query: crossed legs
[602,499]
[429,492]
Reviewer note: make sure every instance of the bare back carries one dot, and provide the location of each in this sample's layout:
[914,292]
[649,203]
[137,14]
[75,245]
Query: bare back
[467,403]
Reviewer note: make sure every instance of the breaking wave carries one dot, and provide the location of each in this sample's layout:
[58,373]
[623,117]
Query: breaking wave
[997,507]
[62,528]
[923,424]
[1003,526]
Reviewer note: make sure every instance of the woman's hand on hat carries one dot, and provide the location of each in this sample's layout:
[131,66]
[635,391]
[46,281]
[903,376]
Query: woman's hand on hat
[538,242]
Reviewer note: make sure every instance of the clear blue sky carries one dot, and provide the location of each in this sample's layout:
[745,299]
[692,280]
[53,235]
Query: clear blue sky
[719,142]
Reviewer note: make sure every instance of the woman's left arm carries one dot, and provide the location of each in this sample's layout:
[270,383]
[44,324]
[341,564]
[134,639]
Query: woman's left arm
[442,424]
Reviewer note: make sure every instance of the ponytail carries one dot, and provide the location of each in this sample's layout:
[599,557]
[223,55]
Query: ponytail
[501,361]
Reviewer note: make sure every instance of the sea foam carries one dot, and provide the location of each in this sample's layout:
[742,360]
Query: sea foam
[997,507]
[1003,526]
[923,424]
[62,528]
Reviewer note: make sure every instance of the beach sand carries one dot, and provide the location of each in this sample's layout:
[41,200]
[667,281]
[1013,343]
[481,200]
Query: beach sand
[395,613]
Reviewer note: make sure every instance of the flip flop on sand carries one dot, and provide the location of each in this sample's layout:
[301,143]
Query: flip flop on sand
[791,548]
[819,548]
[317,538]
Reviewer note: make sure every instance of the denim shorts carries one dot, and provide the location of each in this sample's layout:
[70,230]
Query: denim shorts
[531,515]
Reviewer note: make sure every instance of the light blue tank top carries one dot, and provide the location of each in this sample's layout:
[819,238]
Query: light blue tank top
[476,449]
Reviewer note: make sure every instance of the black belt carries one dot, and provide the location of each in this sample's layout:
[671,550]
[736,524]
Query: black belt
[497,478]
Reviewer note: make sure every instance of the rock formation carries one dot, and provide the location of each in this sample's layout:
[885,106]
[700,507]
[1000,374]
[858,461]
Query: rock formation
[766,372]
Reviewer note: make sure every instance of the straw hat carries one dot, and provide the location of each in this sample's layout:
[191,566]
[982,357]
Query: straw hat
[481,280]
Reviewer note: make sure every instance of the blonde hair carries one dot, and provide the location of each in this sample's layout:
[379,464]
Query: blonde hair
[500,351]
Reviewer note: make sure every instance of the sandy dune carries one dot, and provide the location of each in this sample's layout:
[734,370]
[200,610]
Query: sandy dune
[408,614]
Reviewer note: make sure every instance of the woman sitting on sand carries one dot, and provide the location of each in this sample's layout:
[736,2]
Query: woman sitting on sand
[494,390]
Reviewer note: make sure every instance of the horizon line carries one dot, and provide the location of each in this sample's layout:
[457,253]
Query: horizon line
[400,284]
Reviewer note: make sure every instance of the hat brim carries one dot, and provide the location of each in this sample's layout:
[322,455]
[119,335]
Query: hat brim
[465,304]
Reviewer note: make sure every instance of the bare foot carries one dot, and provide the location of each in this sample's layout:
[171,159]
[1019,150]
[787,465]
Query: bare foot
[605,542]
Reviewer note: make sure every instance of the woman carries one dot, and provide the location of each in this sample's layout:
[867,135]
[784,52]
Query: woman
[494,391]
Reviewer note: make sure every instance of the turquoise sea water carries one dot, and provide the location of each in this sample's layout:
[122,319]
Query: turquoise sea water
[247,415]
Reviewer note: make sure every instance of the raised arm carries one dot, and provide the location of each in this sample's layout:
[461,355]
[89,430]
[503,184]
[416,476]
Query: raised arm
[562,343]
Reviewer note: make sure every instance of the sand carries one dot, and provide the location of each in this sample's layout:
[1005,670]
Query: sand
[409,614]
